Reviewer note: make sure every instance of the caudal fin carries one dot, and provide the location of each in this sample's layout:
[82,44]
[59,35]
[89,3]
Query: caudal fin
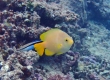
[39,47]
[29,46]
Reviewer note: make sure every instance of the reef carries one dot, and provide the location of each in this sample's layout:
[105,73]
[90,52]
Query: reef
[22,21]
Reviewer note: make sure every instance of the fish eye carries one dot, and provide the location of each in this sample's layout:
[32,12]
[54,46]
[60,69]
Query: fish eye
[66,40]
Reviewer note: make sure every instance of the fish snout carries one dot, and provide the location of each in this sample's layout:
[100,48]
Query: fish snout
[71,42]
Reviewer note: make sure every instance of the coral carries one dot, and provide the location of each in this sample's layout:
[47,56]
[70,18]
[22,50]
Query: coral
[18,64]
[22,21]
[75,56]
[59,76]
[71,63]
[53,13]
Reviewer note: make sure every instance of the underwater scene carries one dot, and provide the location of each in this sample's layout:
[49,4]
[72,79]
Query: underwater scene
[54,39]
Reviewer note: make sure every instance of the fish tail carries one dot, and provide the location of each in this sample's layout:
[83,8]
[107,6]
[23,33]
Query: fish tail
[31,47]
[26,48]
[39,47]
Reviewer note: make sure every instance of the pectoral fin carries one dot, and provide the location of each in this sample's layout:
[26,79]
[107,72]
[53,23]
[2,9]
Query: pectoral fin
[59,46]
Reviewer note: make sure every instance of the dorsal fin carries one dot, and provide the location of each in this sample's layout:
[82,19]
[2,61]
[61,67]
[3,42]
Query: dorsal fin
[45,34]
[49,53]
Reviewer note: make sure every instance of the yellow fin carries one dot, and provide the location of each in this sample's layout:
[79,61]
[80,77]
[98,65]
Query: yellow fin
[48,52]
[59,53]
[39,47]
[45,34]
[59,46]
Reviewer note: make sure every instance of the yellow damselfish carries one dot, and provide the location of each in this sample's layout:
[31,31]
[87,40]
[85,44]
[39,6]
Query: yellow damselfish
[54,42]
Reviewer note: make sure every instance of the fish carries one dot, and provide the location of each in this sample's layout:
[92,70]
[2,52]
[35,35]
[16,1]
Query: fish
[53,42]
[29,46]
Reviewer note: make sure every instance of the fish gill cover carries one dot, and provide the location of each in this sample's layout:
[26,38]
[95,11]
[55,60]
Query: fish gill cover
[86,21]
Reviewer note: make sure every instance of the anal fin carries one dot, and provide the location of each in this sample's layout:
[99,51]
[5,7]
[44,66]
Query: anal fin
[59,53]
[49,53]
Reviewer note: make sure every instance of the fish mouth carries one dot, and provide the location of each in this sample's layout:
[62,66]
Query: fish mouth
[71,42]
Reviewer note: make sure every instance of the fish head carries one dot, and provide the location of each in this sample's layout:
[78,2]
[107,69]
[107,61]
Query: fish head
[68,41]
[65,45]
